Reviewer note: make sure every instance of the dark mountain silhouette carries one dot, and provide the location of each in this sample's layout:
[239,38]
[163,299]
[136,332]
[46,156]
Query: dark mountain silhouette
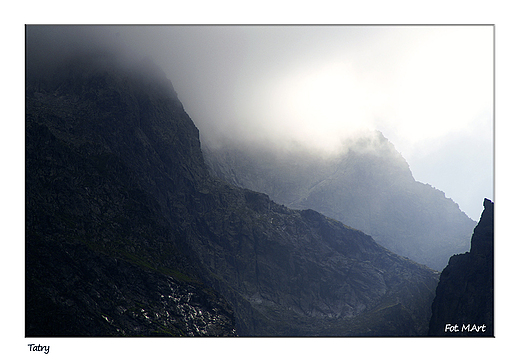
[101,257]
[464,301]
[128,234]
[368,186]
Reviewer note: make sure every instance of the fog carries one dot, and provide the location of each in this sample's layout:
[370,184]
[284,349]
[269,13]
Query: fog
[428,89]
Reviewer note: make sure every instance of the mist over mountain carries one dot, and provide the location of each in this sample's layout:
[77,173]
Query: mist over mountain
[128,234]
[429,89]
[367,185]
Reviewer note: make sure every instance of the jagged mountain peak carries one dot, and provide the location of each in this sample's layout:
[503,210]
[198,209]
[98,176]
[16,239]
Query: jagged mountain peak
[368,185]
[482,240]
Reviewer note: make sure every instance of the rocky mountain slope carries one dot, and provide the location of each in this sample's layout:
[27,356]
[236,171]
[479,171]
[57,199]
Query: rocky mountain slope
[368,186]
[127,233]
[101,258]
[464,301]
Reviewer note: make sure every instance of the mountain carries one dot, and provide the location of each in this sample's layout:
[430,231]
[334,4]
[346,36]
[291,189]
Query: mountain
[464,301]
[127,233]
[101,257]
[368,185]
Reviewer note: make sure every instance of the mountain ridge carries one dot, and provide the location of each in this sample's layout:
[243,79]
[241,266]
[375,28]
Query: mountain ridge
[368,186]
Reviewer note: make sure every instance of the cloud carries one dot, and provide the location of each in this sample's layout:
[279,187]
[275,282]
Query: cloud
[320,84]
[316,85]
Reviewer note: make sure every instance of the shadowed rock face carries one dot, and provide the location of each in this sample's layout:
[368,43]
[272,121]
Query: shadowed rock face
[464,296]
[127,234]
[73,291]
[101,257]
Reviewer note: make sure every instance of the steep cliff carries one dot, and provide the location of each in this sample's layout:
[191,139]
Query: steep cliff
[101,257]
[127,233]
[464,301]
[368,186]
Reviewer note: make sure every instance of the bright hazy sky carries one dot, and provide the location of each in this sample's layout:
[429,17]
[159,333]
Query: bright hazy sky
[429,89]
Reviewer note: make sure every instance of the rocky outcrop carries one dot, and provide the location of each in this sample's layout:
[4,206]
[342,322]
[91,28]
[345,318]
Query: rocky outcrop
[368,186]
[127,233]
[301,273]
[464,301]
[73,291]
